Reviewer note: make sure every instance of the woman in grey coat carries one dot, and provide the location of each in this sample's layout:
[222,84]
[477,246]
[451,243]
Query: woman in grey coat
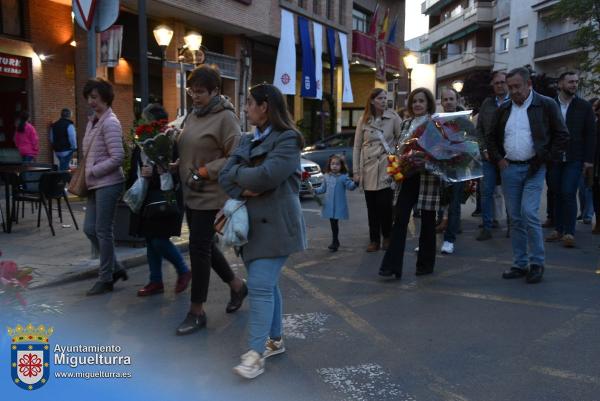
[265,170]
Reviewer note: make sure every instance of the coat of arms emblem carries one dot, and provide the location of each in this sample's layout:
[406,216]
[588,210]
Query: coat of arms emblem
[30,355]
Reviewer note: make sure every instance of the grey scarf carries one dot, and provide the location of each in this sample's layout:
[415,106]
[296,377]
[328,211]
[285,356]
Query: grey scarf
[202,111]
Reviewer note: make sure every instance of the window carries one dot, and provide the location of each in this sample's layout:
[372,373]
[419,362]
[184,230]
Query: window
[317,7]
[341,9]
[359,21]
[11,17]
[302,3]
[522,34]
[503,43]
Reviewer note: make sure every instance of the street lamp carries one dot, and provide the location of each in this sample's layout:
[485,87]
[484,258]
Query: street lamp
[458,85]
[410,61]
[193,42]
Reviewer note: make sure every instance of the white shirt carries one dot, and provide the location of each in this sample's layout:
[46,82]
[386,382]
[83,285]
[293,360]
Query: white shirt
[564,107]
[518,141]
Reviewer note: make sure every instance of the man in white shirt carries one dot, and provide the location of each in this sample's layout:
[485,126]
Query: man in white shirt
[528,132]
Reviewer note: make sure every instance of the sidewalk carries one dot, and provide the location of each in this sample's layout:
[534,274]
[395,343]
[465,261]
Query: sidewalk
[67,256]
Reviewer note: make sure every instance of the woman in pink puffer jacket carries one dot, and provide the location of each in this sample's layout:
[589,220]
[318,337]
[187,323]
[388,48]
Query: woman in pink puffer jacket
[104,154]
[26,138]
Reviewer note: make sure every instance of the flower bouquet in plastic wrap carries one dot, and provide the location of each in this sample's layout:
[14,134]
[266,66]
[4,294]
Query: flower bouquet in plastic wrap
[156,142]
[441,146]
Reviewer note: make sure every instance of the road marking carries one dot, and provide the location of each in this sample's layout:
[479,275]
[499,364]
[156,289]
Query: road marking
[301,325]
[312,210]
[362,326]
[499,298]
[364,383]
[568,328]
[564,374]
[350,317]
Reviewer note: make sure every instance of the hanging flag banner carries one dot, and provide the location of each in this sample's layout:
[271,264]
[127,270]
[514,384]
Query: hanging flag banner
[309,86]
[380,61]
[331,49]
[347,92]
[318,36]
[110,45]
[285,67]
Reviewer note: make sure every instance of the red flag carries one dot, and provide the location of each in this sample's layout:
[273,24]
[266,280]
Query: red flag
[373,25]
[384,25]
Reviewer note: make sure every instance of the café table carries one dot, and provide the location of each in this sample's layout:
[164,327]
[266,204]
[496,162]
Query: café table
[10,175]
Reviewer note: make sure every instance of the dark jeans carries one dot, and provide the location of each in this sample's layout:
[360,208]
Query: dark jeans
[457,190]
[379,212]
[564,181]
[158,249]
[394,256]
[596,195]
[64,161]
[488,186]
[204,253]
[549,197]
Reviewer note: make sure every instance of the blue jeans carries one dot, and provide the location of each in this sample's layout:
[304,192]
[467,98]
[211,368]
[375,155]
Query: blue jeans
[457,190]
[522,194]
[156,250]
[488,184]
[564,180]
[64,161]
[98,226]
[265,302]
[586,200]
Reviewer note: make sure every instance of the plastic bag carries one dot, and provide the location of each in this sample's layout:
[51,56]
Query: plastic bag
[134,196]
[235,231]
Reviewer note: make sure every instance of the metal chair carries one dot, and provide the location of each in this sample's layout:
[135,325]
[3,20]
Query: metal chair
[52,186]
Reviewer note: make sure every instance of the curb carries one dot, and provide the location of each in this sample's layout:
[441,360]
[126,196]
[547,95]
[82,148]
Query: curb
[90,272]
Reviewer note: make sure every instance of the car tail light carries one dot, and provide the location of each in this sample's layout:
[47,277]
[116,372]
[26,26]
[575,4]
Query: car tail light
[305,176]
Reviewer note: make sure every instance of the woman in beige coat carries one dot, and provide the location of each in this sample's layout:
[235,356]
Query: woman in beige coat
[376,136]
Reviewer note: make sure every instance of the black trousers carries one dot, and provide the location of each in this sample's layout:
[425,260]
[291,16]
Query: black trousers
[379,211]
[335,229]
[596,195]
[394,256]
[549,196]
[204,253]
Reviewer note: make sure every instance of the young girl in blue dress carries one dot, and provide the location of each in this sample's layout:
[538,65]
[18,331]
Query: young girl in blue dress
[335,205]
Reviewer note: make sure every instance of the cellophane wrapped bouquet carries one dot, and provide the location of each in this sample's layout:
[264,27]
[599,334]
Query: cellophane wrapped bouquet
[441,146]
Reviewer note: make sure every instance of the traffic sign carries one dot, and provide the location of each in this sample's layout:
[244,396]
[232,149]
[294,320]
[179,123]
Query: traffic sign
[105,15]
[85,10]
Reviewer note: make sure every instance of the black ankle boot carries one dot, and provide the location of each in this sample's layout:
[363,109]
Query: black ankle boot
[335,244]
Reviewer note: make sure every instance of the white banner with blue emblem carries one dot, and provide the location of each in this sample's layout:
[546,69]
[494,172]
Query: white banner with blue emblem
[347,93]
[318,38]
[285,67]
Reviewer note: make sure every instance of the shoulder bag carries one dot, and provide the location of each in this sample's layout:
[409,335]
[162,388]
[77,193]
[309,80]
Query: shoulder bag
[77,185]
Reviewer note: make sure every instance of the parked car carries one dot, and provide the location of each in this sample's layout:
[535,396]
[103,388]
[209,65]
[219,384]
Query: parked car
[315,176]
[339,144]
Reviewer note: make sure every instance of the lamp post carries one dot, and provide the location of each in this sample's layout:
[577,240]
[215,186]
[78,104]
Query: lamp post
[410,61]
[458,85]
[193,42]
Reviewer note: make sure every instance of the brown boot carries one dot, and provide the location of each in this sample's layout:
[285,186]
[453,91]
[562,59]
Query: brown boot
[373,247]
[568,241]
[554,236]
[548,223]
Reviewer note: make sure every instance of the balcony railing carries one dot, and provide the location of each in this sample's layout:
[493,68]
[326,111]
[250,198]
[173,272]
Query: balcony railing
[554,45]
[481,57]
[481,15]
[364,45]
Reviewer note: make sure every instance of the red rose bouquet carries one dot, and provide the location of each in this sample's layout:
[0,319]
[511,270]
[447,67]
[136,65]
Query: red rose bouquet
[441,146]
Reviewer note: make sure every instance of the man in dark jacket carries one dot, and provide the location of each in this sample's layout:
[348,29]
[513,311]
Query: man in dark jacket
[527,132]
[564,175]
[490,171]
[63,139]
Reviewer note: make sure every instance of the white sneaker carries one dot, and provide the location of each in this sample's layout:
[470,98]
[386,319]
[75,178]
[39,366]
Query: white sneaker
[273,347]
[417,249]
[251,366]
[447,248]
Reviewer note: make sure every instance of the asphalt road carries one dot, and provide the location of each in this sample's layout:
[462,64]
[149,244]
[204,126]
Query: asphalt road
[462,333]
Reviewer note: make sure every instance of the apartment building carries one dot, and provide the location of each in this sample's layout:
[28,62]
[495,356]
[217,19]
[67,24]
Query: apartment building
[460,38]
[524,34]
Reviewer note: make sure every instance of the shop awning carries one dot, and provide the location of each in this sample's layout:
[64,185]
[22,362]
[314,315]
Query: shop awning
[455,36]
